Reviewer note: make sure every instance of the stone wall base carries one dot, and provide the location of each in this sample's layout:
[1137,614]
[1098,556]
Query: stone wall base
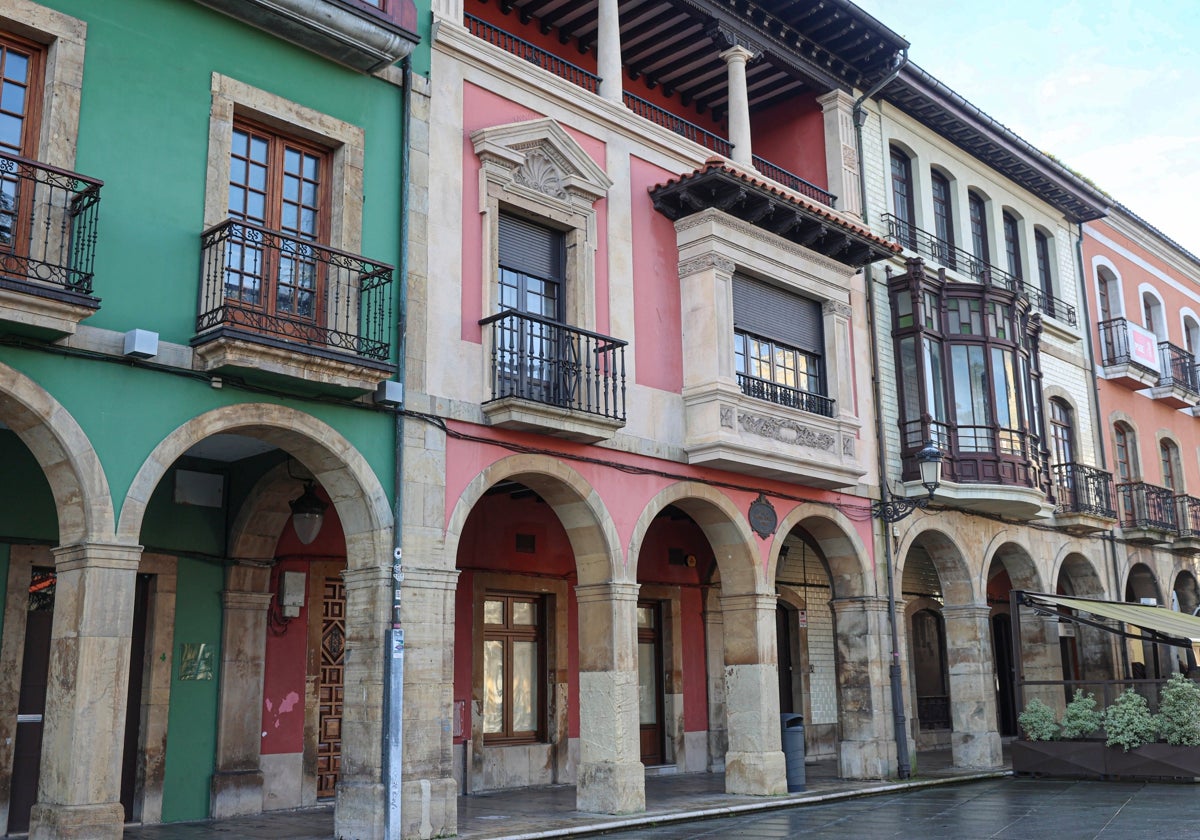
[430,808]
[360,812]
[611,788]
[77,822]
[236,793]
[755,773]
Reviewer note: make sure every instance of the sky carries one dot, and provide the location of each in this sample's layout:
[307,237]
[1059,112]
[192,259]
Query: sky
[1109,87]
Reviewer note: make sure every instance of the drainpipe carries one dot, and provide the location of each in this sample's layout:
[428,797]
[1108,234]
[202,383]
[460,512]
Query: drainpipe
[394,656]
[903,766]
[1098,424]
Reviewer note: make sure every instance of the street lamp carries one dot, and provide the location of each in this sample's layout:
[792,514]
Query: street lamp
[308,513]
[929,463]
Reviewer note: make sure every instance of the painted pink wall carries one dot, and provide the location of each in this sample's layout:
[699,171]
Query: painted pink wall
[656,318]
[792,135]
[1148,416]
[286,653]
[484,109]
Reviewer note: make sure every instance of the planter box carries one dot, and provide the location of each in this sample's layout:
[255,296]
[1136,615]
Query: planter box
[1093,760]
[1070,759]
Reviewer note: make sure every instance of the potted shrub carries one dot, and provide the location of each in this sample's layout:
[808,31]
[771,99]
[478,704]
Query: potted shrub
[1049,750]
[1128,722]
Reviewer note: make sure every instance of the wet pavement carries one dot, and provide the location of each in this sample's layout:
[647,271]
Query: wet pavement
[941,803]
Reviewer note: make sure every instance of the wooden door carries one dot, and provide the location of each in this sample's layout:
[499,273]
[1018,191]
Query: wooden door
[650,681]
[330,685]
[31,702]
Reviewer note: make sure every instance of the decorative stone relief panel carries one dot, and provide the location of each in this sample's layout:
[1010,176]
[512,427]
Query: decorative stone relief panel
[785,430]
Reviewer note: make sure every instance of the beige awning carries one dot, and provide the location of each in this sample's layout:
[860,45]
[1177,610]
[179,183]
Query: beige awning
[1164,622]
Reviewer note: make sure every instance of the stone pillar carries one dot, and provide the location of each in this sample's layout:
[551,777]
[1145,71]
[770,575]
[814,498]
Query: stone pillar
[714,666]
[754,763]
[430,794]
[79,789]
[448,10]
[237,782]
[735,59]
[841,150]
[608,50]
[611,778]
[361,809]
[975,742]
[1041,659]
[867,749]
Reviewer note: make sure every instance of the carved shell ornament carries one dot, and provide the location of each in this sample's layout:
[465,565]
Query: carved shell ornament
[539,173]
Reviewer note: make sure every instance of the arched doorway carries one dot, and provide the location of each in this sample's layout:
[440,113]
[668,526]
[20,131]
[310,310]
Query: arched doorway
[921,590]
[1146,659]
[1011,568]
[211,503]
[1086,652]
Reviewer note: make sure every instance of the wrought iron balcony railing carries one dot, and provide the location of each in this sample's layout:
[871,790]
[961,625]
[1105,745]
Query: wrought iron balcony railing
[1147,506]
[533,54]
[1080,488]
[48,221]
[763,389]
[547,362]
[589,81]
[1187,514]
[272,284]
[956,259]
[1178,368]
[1114,342]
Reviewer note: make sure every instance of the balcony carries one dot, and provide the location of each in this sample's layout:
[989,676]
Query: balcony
[761,389]
[1178,383]
[1149,514]
[554,379]
[48,224]
[590,82]
[1128,354]
[1187,514]
[273,307]
[942,253]
[991,469]
[1086,498]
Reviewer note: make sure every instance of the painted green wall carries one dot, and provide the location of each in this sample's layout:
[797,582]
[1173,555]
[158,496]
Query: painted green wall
[26,505]
[192,721]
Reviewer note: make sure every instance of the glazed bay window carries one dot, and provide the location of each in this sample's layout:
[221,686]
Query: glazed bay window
[969,379]
[778,345]
[513,668]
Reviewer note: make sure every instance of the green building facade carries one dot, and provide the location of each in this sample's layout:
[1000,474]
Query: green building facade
[201,270]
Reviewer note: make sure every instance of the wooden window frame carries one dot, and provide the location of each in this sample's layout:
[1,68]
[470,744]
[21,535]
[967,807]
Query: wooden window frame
[1062,431]
[980,242]
[907,215]
[1012,244]
[1041,250]
[1125,453]
[29,143]
[508,633]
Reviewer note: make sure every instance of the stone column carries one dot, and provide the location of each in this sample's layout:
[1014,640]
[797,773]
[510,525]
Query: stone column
[448,10]
[841,150]
[714,666]
[430,794]
[608,50]
[611,778]
[237,782]
[1041,659]
[867,749]
[79,788]
[361,809]
[754,763]
[975,741]
[735,59]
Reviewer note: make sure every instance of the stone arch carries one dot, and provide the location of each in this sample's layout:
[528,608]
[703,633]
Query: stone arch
[1017,560]
[1081,577]
[1187,591]
[574,501]
[723,525]
[842,547]
[82,498]
[1141,582]
[337,466]
[948,558]
[258,523]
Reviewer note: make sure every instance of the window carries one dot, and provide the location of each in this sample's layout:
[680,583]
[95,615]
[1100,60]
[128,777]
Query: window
[943,219]
[1168,454]
[1061,434]
[979,232]
[276,183]
[513,668]
[1041,248]
[1012,244]
[1191,334]
[902,198]
[1105,291]
[534,359]
[1125,452]
[1152,317]
[20,96]
[967,364]
[778,346]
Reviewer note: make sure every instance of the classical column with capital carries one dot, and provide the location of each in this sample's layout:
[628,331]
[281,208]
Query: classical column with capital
[735,59]
[608,50]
